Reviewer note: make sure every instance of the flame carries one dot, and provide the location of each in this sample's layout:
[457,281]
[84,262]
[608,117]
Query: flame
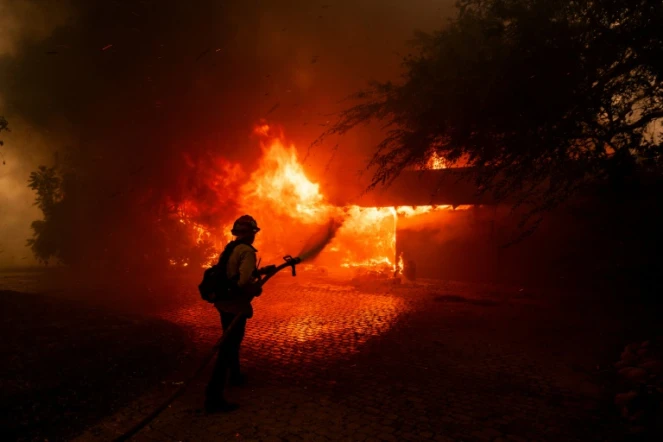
[435,162]
[281,181]
[289,207]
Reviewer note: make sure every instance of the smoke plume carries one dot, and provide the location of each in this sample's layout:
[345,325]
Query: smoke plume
[22,22]
[146,89]
[319,241]
[25,21]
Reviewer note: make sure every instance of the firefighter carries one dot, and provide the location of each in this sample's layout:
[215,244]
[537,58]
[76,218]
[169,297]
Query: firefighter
[241,269]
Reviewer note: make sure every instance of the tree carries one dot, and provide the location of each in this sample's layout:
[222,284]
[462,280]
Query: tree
[540,97]
[46,242]
[82,226]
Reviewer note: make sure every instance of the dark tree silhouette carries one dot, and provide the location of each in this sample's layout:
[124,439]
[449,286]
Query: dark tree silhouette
[47,241]
[539,96]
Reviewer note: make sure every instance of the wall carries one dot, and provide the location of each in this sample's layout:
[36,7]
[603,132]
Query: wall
[574,246]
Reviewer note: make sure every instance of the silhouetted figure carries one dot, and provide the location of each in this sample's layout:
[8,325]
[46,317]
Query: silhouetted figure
[241,267]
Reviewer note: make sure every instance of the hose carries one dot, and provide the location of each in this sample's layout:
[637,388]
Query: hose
[289,262]
[177,393]
[310,251]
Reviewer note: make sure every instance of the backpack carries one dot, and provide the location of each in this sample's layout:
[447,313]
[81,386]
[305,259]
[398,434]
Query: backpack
[215,285]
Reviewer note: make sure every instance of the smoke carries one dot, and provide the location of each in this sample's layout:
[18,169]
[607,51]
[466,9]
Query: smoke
[314,55]
[147,88]
[443,226]
[318,241]
[24,21]
[24,150]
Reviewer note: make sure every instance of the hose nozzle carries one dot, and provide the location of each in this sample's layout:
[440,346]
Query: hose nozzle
[292,262]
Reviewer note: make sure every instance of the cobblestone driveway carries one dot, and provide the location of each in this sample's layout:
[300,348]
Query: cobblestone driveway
[434,361]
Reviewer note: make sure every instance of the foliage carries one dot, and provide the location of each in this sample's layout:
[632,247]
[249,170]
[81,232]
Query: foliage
[47,184]
[82,228]
[539,96]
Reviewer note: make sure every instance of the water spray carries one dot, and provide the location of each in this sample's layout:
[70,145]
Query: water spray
[320,240]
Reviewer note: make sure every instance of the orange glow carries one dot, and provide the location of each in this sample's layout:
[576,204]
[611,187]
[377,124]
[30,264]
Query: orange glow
[290,208]
[330,321]
[436,162]
[262,129]
[281,183]
[303,324]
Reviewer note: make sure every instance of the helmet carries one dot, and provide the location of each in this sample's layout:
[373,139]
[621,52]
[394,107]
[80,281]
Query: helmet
[245,224]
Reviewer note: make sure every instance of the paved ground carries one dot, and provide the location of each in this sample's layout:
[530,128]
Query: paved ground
[66,365]
[433,361]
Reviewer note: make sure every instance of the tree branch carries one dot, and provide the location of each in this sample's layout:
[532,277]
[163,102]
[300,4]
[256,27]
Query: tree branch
[644,121]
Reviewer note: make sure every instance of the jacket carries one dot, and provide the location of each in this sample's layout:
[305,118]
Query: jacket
[242,266]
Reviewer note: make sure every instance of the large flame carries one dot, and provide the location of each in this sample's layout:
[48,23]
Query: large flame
[435,162]
[280,181]
[290,207]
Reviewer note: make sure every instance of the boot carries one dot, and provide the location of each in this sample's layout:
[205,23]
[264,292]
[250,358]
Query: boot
[215,401]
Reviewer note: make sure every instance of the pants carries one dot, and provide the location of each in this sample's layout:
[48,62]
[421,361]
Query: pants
[228,357]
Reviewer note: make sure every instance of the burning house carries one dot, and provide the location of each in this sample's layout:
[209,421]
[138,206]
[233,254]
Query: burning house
[293,209]
[428,218]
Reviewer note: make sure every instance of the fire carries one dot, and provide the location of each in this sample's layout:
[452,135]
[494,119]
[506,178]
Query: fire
[367,237]
[281,182]
[408,211]
[435,162]
[290,207]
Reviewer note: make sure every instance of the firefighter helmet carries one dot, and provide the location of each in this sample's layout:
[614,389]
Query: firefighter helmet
[245,224]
